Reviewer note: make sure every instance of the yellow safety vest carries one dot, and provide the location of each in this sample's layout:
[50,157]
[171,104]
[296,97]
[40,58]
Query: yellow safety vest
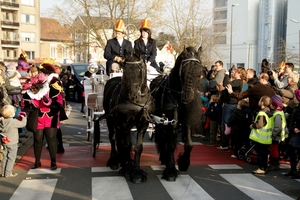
[264,134]
[283,133]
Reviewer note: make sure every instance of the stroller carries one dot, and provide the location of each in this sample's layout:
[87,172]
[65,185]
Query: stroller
[247,152]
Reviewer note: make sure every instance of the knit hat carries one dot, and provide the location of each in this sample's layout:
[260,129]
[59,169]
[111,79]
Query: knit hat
[120,26]
[297,94]
[145,25]
[277,101]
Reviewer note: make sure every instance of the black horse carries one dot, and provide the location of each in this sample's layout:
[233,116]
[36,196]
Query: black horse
[128,103]
[176,97]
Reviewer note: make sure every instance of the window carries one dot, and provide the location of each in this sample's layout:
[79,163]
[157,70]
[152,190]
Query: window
[27,19]
[220,39]
[219,15]
[220,3]
[7,53]
[6,35]
[7,16]
[28,37]
[64,52]
[220,27]
[240,65]
[27,2]
[30,55]
[15,36]
[53,52]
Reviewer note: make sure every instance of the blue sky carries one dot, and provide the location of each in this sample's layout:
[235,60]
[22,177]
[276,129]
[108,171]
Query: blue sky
[44,4]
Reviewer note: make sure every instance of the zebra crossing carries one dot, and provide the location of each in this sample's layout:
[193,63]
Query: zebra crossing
[207,182]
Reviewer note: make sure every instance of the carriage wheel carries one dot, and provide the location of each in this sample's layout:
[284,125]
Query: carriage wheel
[248,159]
[89,124]
[96,137]
[88,133]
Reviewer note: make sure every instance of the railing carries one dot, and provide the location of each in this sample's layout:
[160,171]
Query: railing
[9,4]
[9,42]
[8,23]
[10,59]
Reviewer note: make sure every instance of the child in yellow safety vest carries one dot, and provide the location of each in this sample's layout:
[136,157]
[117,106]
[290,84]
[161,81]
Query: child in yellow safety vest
[261,133]
[279,132]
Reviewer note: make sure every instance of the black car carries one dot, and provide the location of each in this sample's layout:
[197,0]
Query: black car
[74,86]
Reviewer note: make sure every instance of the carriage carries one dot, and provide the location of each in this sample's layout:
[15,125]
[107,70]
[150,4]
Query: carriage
[129,102]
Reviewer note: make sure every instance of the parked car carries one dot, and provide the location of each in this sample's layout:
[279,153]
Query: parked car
[76,73]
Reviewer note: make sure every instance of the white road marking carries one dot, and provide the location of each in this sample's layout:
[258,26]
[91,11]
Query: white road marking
[254,187]
[102,188]
[185,188]
[35,189]
[43,171]
[226,166]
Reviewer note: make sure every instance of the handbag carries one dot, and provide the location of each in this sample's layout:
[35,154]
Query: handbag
[227,130]
[32,120]
[14,91]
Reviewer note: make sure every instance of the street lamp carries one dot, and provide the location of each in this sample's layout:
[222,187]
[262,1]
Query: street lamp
[232,6]
[296,21]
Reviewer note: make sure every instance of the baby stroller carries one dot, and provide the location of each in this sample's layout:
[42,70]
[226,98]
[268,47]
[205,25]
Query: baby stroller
[247,152]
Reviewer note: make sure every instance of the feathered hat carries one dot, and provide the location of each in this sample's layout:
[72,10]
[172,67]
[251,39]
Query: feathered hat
[38,79]
[23,53]
[145,25]
[47,68]
[120,26]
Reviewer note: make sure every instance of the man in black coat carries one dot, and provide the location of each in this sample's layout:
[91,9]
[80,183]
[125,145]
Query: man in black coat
[114,49]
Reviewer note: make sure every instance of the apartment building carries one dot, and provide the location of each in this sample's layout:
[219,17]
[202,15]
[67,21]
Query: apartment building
[20,27]
[250,30]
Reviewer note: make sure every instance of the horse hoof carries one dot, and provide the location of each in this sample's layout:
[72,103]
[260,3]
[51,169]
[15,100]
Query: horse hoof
[114,167]
[171,179]
[138,179]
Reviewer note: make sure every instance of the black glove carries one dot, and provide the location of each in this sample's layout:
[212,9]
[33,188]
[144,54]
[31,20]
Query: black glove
[45,99]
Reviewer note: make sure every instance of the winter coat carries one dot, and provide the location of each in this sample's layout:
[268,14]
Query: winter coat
[9,127]
[240,123]
[148,51]
[113,49]
[214,111]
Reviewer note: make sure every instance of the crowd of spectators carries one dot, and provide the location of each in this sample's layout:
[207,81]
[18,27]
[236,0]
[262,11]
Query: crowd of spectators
[242,105]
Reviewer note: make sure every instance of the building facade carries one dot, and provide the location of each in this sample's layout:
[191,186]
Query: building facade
[55,41]
[20,27]
[256,29]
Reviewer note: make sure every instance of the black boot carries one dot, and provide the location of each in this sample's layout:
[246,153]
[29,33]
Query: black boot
[53,165]
[37,164]
[274,165]
[60,149]
[293,174]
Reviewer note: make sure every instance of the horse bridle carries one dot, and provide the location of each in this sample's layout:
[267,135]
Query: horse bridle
[140,66]
[185,62]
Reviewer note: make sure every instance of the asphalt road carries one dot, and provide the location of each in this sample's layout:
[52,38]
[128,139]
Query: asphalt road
[207,181]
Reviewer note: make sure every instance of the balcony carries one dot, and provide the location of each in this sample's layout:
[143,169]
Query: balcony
[10,43]
[10,59]
[10,25]
[9,6]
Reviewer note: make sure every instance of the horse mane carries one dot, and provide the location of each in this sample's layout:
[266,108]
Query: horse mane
[188,52]
[134,79]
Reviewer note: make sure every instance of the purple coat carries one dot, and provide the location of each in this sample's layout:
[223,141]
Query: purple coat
[23,65]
